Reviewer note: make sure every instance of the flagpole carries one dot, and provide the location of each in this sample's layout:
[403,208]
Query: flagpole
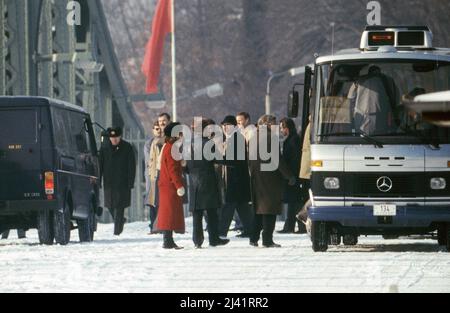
[174,68]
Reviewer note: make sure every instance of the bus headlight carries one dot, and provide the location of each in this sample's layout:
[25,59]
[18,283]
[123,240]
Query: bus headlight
[438,183]
[332,183]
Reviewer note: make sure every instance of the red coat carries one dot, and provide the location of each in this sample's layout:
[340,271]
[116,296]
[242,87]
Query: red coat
[170,211]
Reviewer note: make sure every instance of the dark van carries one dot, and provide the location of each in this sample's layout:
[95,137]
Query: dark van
[48,169]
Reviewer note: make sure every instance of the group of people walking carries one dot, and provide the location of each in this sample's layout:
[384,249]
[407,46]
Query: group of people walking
[217,190]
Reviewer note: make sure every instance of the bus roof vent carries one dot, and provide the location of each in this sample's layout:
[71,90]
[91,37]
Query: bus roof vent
[400,37]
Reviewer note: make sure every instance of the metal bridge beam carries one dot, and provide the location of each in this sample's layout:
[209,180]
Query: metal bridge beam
[45,47]
[64,43]
[15,53]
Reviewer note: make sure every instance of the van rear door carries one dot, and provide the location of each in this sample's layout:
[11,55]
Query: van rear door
[20,153]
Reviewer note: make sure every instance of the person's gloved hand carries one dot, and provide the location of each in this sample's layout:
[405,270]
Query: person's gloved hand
[181,192]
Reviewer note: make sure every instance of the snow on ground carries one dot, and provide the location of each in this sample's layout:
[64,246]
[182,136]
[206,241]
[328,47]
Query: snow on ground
[135,262]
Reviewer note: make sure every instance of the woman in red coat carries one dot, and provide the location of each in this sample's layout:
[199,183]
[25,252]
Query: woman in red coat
[171,192]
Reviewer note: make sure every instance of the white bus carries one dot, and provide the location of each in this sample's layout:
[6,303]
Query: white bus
[378,168]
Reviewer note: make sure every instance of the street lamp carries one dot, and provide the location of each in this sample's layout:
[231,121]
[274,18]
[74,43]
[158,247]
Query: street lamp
[293,72]
[81,60]
[212,91]
[89,66]
[152,101]
[157,101]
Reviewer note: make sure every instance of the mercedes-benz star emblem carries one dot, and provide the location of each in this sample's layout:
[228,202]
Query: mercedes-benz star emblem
[384,184]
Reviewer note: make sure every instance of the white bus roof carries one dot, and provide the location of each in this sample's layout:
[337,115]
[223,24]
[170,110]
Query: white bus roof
[437,54]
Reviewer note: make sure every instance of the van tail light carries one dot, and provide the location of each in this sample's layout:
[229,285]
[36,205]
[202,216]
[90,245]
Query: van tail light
[49,184]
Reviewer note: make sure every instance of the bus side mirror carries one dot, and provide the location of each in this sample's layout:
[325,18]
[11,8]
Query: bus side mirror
[293,104]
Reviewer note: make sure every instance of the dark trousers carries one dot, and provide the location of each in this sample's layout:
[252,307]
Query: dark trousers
[119,220]
[168,238]
[306,185]
[213,224]
[292,211]
[245,212]
[21,234]
[153,215]
[238,222]
[266,224]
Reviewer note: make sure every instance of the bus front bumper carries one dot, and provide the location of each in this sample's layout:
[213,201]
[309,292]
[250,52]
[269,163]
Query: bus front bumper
[363,216]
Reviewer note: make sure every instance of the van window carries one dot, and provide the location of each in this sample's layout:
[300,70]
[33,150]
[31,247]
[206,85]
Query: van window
[78,133]
[70,131]
[60,128]
[18,126]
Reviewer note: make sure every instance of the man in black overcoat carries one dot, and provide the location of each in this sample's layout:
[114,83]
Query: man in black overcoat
[236,181]
[291,155]
[118,171]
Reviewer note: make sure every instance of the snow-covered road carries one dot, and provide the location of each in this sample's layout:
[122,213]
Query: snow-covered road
[136,262]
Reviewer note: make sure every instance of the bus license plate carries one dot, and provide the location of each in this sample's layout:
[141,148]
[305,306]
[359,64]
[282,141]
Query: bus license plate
[384,210]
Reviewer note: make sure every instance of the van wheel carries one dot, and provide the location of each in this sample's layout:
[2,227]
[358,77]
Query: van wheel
[86,228]
[350,240]
[442,234]
[62,225]
[319,236]
[45,227]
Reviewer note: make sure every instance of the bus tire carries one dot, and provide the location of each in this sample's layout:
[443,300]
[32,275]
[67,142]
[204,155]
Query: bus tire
[319,236]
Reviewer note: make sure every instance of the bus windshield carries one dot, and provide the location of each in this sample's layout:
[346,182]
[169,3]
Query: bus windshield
[367,97]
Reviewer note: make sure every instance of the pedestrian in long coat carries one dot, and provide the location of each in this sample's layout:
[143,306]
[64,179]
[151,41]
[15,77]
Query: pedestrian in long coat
[152,173]
[291,156]
[236,179]
[147,147]
[204,193]
[171,190]
[267,188]
[118,171]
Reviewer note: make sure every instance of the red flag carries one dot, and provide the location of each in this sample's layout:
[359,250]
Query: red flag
[162,25]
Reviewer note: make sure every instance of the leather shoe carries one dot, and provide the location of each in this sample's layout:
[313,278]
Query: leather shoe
[285,231]
[272,245]
[172,246]
[219,242]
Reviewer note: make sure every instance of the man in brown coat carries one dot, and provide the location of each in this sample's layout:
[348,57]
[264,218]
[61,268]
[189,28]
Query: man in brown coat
[267,188]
